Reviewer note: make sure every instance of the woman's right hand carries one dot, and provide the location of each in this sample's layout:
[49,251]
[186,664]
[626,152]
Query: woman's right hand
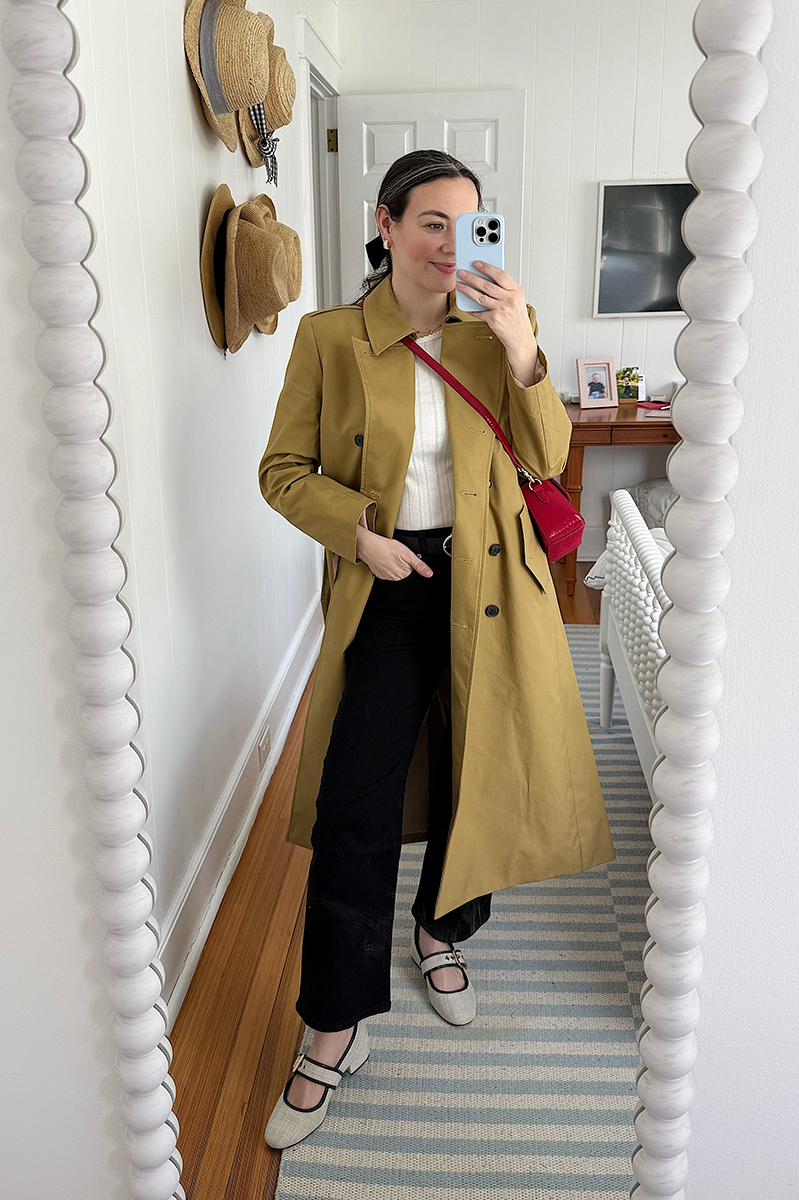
[388,558]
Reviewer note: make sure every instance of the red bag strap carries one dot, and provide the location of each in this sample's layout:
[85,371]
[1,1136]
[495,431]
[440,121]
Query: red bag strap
[463,391]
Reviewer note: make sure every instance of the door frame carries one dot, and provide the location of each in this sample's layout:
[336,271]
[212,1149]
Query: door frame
[324,116]
[319,84]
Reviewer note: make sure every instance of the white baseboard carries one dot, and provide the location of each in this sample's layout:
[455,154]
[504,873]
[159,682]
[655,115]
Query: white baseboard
[188,922]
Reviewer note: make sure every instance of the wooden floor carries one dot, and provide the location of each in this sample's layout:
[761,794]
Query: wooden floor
[237,1031]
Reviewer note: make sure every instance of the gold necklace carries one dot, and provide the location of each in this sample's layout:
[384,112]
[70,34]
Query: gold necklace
[426,332]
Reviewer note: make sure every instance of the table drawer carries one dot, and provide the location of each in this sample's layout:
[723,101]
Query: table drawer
[641,435]
[598,436]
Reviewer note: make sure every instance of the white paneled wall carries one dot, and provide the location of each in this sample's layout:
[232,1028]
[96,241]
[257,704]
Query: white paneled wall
[224,591]
[607,98]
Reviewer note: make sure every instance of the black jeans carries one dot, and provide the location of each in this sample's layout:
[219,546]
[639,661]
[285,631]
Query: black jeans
[394,665]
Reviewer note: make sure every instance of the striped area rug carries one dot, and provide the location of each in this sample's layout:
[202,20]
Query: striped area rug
[535,1098]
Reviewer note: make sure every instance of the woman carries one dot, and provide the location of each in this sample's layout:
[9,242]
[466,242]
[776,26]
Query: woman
[431,566]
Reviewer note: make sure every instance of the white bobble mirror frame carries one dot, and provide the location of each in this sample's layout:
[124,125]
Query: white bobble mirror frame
[727,93]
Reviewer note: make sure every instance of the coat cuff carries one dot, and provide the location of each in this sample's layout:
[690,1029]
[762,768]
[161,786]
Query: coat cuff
[343,539]
[370,522]
[541,363]
[545,417]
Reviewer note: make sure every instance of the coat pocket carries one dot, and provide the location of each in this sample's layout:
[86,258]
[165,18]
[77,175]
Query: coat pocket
[534,557]
[329,574]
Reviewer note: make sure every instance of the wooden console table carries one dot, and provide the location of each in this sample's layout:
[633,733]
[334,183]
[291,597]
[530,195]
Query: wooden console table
[622,426]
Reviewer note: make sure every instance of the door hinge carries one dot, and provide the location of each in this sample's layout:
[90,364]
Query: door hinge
[332,141]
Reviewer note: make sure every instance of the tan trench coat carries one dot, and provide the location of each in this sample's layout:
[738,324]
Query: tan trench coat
[527,802]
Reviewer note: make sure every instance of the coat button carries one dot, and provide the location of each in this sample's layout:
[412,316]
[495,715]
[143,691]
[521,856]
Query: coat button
[490,484]
[494,548]
[359,439]
[492,610]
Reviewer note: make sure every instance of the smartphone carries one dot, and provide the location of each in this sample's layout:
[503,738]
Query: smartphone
[477,235]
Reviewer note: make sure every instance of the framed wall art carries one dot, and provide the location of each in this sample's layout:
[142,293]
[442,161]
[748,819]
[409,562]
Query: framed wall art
[640,252]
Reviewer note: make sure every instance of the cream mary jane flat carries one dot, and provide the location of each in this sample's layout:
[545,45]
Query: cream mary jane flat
[289,1124]
[460,1007]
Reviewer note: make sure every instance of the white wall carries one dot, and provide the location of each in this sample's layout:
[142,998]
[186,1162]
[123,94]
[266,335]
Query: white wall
[224,591]
[746,1114]
[607,98]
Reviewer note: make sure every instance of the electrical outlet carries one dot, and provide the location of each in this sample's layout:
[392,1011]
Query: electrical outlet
[263,748]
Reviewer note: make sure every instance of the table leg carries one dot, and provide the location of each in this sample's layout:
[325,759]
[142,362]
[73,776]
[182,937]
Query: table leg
[572,481]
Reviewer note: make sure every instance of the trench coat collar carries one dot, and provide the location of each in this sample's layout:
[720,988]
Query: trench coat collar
[385,323]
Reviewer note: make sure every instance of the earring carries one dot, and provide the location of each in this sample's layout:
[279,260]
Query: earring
[386,245]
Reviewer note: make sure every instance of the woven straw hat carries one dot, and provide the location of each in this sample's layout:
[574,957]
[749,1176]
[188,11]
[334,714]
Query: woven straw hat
[228,52]
[247,276]
[267,326]
[270,324]
[269,26]
[212,262]
[278,103]
[291,243]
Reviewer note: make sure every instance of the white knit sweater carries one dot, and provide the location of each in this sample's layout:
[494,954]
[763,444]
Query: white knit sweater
[428,499]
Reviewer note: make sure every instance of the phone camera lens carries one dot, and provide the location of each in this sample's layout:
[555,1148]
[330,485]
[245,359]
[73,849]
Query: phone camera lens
[493,237]
[480,231]
[493,224]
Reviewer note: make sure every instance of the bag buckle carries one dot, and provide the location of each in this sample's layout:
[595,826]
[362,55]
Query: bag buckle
[448,538]
[531,479]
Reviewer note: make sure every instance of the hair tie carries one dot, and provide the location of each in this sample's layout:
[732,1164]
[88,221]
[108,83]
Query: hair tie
[376,251]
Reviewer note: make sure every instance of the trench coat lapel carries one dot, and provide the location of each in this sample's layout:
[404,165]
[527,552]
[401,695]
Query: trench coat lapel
[471,352]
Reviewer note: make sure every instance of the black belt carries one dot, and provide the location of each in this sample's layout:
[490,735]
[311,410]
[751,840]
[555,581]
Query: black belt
[426,541]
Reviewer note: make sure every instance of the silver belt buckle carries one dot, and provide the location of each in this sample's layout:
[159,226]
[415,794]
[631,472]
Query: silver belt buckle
[448,538]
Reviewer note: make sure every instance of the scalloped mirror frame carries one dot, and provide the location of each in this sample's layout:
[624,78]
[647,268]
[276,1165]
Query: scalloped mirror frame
[723,161]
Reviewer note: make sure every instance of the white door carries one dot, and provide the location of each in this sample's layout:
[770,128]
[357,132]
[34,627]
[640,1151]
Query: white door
[485,130]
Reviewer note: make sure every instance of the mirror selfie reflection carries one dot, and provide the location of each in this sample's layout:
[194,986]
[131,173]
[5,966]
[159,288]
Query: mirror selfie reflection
[420,966]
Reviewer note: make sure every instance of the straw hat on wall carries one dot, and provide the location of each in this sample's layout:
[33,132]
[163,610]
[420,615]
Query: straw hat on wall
[212,262]
[250,268]
[291,243]
[228,52]
[278,100]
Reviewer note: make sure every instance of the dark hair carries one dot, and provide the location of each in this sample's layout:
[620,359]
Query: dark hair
[404,174]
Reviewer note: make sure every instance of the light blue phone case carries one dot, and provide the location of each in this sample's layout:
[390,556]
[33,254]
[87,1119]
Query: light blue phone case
[469,246]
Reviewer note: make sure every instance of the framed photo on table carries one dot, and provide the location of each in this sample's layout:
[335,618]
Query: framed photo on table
[596,380]
[630,384]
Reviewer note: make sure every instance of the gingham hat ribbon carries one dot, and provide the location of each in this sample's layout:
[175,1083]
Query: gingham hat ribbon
[267,142]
